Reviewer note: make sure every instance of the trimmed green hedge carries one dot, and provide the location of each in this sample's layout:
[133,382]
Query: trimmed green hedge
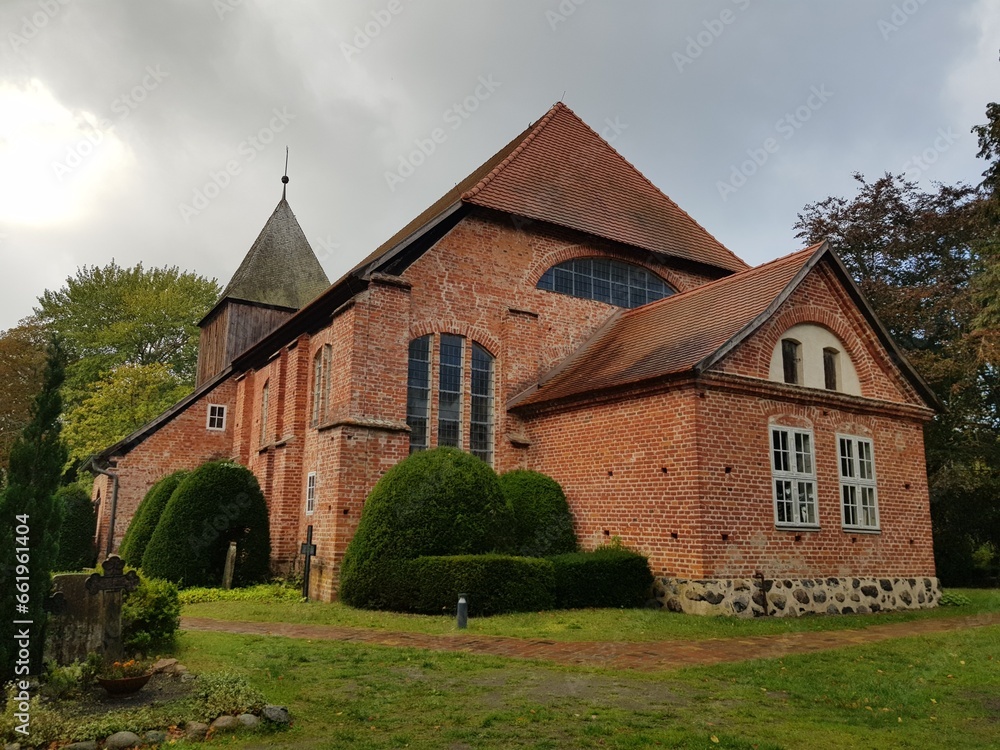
[76,534]
[542,522]
[607,577]
[147,515]
[495,584]
[217,503]
[438,502]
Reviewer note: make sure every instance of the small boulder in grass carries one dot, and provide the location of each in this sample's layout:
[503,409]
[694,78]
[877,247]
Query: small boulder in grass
[226,724]
[155,737]
[195,730]
[165,666]
[122,741]
[248,720]
[277,714]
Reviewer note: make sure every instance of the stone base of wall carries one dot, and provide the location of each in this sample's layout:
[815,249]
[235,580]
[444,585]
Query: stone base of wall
[791,597]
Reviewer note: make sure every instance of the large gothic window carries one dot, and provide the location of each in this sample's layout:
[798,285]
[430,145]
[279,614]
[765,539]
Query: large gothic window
[461,415]
[605,280]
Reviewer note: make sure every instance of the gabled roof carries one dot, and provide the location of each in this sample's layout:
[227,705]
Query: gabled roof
[281,269]
[693,330]
[561,172]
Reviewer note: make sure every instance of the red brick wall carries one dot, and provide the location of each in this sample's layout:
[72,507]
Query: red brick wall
[183,443]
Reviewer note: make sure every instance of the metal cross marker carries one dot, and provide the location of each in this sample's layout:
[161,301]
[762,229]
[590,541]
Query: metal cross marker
[309,550]
[111,585]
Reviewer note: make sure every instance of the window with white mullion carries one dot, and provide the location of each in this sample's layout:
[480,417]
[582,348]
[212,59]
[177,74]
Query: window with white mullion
[859,499]
[794,477]
[310,493]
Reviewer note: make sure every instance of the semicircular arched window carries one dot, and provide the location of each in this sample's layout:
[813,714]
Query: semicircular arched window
[605,280]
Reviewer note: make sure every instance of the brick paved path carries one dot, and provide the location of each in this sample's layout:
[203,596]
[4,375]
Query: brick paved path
[649,656]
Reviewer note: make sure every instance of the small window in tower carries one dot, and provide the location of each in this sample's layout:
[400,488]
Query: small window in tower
[791,361]
[831,367]
[216,417]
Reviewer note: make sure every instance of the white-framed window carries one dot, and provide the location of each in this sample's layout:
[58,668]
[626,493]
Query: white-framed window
[858,494]
[793,470]
[216,418]
[310,493]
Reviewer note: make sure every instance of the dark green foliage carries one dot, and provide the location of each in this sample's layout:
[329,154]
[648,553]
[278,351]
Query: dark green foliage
[437,502]
[495,584]
[147,515]
[542,521]
[217,503]
[76,535]
[607,577]
[151,615]
[36,463]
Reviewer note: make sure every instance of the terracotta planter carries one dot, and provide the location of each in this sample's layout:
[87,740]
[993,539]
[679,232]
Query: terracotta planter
[124,685]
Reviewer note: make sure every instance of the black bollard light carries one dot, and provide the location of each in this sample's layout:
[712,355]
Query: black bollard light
[463,613]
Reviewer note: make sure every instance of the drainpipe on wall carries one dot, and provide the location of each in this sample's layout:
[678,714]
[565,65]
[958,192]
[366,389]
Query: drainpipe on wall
[93,467]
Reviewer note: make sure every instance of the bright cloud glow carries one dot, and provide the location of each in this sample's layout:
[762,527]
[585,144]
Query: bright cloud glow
[52,159]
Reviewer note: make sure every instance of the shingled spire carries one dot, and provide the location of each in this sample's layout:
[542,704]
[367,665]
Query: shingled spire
[279,275]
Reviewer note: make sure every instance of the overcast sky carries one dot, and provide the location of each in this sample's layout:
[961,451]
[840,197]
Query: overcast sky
[156,132]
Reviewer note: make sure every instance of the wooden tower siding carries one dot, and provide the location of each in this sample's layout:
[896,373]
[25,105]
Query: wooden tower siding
[230,330]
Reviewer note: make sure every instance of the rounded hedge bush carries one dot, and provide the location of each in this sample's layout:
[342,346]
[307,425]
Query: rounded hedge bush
[438,502]
[542,522]
[147,515]
[218,503]
[76,534]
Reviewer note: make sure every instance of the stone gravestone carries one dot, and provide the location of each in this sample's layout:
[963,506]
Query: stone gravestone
[75,627]
[110,587]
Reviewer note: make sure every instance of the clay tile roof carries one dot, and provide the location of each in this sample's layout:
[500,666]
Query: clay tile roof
[281,268]
[672,335]
[565,173]
[560,171]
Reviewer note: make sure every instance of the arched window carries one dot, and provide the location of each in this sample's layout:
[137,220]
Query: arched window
[321,384]
[791,361]
[264,406]
[463,409]
[605,280]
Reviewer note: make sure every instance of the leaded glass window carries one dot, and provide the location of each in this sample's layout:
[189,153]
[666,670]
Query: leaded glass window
[605,280]
[418,393]
[450,391]
[481,419]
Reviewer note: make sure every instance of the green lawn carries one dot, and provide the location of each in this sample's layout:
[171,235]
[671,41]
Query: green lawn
[928,692]
[575,625]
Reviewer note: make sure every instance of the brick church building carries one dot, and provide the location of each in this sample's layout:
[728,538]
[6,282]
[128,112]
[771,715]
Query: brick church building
[754,431]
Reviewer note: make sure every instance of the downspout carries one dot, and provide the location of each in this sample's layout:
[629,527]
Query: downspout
[92,466]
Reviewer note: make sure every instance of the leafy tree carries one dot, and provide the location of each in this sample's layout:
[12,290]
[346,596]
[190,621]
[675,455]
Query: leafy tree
[126,399]
[36,462]
[916,256]
[22,361]
[988,283]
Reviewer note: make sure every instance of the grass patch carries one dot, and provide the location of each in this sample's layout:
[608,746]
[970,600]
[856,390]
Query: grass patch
[933,691]
[263,592]
[575,625]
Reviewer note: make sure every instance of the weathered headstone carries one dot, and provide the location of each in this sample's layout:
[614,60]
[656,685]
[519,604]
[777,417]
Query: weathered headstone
[75,627]
[227,574]
[110,586]
[309,550]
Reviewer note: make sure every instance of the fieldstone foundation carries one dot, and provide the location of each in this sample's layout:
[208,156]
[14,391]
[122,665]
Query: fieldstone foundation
[790,597]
